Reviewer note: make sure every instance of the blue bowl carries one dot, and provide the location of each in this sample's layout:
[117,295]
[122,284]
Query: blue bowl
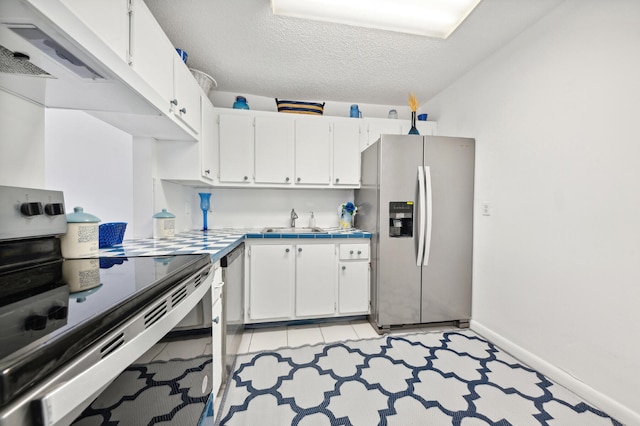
[422,117]
[110,234]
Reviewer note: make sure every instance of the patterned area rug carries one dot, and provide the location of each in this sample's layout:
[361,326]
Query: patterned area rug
[444,378]
[161,392]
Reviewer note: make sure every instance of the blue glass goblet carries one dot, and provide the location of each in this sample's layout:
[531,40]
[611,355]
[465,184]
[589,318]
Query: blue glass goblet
[205,203]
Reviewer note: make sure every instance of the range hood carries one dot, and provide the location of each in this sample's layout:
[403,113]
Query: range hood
[18,63]
[54,50]
[77,76]
[50,56]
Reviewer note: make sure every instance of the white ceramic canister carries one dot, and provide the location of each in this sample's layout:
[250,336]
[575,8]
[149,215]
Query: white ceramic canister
[164,224]
[81,239]
[81,274]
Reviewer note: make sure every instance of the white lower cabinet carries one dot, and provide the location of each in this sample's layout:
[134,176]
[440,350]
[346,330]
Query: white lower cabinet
[271,268]
[315,280]
[353,297]
[285,281]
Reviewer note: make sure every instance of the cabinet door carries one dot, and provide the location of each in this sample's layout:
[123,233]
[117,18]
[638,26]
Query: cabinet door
[353,293]
[208,140]
[346,152]
[186,95]
[315,280]
[236,148]
[274,150]
[379,126]
[313,150]
[152,54]
[109,19]
[271,275]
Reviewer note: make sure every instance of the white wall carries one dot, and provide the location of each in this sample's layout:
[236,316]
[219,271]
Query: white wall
[250,208]
[331,108]
[21,142]
[557,264]
[90,161]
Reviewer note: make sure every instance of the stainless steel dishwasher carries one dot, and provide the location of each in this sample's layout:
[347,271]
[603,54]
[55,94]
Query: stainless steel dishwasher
[233,305]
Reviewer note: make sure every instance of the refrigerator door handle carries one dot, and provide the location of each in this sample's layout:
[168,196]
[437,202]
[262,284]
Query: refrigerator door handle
[421,214]
[429,208]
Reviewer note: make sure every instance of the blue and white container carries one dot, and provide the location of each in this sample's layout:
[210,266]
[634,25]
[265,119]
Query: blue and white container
[81,239]
[164,225]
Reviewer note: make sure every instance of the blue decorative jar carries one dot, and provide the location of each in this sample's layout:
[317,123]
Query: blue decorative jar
[240,103]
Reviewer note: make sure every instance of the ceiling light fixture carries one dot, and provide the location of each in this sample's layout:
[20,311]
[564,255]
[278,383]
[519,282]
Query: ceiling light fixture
[431,18]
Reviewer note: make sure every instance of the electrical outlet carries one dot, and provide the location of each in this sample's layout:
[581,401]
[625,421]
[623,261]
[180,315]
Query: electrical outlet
[485,207]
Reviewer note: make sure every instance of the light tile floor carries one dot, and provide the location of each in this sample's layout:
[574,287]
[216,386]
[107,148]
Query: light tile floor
[264,339]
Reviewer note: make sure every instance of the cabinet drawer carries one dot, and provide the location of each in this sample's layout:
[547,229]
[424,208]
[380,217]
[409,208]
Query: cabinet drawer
[354,251]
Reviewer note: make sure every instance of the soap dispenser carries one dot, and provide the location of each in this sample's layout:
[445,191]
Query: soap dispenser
[312,221]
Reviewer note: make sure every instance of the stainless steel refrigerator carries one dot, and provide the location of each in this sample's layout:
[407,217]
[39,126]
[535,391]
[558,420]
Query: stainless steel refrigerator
[416,198]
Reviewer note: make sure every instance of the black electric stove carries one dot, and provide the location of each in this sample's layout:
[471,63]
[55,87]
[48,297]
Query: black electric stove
[52,309]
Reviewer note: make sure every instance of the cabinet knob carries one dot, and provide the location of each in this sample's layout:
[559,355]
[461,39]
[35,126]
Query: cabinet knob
[337,180]
[286,180]
[299,249]
[216,320]
[246,178]
[299,179]
[174,102]
[183,110]
[286,250]
[359,252]
[344,267]
[351,252]
[207,171]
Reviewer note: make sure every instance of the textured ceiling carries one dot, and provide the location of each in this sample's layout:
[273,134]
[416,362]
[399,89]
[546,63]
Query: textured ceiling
[249,51]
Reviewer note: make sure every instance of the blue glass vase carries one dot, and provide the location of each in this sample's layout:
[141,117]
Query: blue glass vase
[205,203]
[414,130]
[240,103]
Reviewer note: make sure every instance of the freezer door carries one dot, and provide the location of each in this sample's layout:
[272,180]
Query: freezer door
[446,274]
[398,275]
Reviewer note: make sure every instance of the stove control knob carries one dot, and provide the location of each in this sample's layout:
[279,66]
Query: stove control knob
[35,322]
[54,209]
[58,312]
[31,209]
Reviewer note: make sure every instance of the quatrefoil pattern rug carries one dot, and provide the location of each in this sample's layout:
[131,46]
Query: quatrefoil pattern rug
[448,378]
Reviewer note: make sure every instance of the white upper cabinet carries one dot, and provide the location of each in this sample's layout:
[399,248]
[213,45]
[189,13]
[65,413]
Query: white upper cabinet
[274,150]
[186,95]
[313,151]
[346,151]
[154,58]
[152,54]
[236,148]
[109,19]
[380,126]
[187,162]
[208,141]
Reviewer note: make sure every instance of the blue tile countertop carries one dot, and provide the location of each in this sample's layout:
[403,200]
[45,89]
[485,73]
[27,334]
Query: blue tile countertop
[216,242]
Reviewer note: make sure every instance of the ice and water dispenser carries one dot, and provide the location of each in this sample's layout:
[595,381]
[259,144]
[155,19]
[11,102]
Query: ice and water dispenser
[401,219]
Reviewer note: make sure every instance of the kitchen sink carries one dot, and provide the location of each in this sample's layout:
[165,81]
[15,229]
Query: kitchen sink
[285,230]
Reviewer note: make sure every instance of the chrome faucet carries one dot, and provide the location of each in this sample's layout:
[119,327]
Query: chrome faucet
[294,216]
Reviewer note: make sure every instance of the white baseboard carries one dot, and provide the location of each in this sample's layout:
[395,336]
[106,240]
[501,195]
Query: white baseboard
[613,408]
